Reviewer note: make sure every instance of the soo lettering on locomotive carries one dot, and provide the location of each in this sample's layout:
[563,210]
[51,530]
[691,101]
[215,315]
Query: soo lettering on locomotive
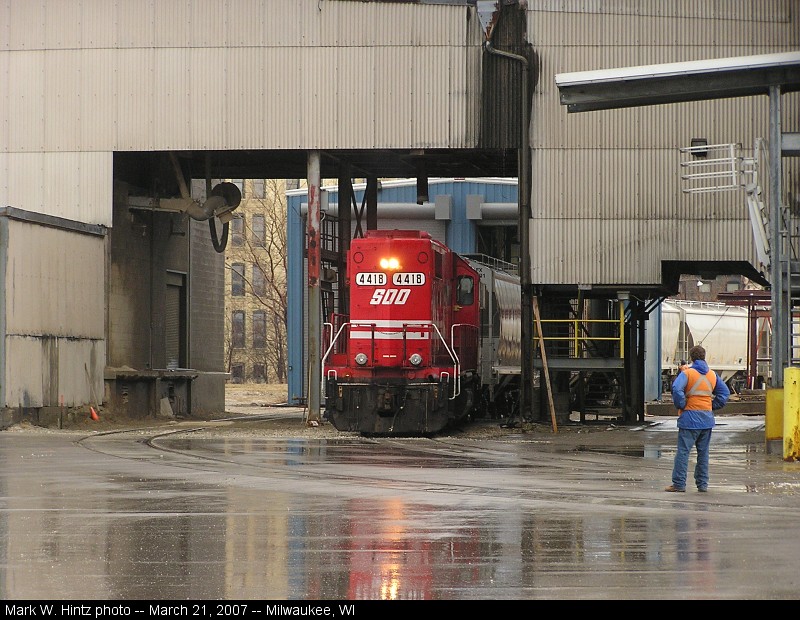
[432,338]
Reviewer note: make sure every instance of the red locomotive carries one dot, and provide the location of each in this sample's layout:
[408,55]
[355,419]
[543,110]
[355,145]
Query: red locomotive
[422,347]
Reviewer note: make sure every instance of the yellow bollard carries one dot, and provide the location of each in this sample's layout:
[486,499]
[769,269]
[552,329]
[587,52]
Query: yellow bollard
[773,420]
[791,414]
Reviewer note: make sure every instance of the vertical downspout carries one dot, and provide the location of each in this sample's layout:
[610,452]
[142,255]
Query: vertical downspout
[524,190]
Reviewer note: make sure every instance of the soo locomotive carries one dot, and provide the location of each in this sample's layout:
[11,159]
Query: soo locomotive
[432,338]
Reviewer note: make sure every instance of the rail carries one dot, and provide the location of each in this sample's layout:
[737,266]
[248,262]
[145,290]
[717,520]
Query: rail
[578,334]
[346,328]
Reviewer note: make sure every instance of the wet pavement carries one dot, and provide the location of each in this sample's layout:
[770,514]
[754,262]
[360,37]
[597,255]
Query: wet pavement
[219,511]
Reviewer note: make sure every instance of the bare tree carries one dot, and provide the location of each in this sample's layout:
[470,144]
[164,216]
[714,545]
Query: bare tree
[262,249]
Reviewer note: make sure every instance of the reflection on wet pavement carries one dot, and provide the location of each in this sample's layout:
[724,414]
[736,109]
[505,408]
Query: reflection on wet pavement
[182,516]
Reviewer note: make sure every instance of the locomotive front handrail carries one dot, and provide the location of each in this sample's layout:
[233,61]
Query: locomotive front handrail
[403,329]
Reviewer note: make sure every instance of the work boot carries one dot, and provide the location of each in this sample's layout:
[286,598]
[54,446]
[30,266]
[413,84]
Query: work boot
[673,489]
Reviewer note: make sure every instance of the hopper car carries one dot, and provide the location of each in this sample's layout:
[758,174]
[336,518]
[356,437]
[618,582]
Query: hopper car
[720,328]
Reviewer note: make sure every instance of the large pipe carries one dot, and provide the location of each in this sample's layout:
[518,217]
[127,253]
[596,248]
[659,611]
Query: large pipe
[524,175]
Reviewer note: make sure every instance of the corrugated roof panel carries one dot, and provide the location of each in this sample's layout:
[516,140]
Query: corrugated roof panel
[71,185]
[98,112]
[209,98]
[245,22]
[459,95]
[5,24]
[678,28]
[97,24]
[134,24]
[5,101]
[437,25]
[62,190]
[134,99]
[172,24]
[27,190]
[207,21]
[4,177]
[95,178]
[282,128]
[244,88]
[26,103]
[318,113]
[62,110]
[26,28]
[172,100]
[430,97]
[62,24]
[355,100]
[394,95]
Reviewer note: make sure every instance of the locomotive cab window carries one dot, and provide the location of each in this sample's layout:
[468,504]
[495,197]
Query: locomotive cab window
[465,293]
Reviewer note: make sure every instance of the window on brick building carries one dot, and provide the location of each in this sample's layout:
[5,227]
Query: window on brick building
[259,329]
[258,188]
[732,286]
[237,279]
[259,231]
[237,373]
[259,373]
[237,329]
[259,281]
[237,231]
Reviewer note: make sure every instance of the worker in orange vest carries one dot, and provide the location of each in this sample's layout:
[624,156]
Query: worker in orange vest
[696,393]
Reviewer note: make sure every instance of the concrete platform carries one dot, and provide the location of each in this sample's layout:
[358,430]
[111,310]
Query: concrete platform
[742,407]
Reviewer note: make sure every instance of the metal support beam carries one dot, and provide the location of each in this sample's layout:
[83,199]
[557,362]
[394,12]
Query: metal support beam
[344,233]
[780,311]
[314,294]
[371,198]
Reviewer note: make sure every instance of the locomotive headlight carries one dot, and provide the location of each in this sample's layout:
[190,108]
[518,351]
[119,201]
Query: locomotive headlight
[391,264]
[361,359]
[415,359]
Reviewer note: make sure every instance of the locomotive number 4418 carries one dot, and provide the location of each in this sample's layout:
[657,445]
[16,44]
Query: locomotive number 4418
[366,278]
[408,279]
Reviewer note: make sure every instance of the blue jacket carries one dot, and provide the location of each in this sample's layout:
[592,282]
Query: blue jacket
[693,418]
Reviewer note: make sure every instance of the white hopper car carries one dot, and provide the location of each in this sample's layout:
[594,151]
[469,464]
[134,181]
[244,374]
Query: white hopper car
[721,329]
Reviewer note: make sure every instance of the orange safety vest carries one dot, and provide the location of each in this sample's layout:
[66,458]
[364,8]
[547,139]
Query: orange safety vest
[699,389]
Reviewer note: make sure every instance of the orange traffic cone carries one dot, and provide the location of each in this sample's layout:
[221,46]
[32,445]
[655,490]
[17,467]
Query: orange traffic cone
[93,414]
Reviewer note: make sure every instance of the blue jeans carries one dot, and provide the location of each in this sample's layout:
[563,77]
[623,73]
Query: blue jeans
[700,438]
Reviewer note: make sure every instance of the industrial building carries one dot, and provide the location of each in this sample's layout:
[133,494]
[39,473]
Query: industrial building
[120,118]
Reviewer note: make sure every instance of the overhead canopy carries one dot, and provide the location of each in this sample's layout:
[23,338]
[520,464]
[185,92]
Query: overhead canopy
[607,89]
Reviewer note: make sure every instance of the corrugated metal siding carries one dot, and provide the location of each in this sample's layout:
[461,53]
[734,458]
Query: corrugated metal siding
[233,75]
[53,316]
[71,185]
[628,251]
[56,282]
[53,368]
[607,185]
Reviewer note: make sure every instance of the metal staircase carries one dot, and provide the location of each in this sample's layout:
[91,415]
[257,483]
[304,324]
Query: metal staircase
[725,167]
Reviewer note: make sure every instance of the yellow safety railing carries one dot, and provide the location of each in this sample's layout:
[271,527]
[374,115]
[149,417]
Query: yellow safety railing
[579,337]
